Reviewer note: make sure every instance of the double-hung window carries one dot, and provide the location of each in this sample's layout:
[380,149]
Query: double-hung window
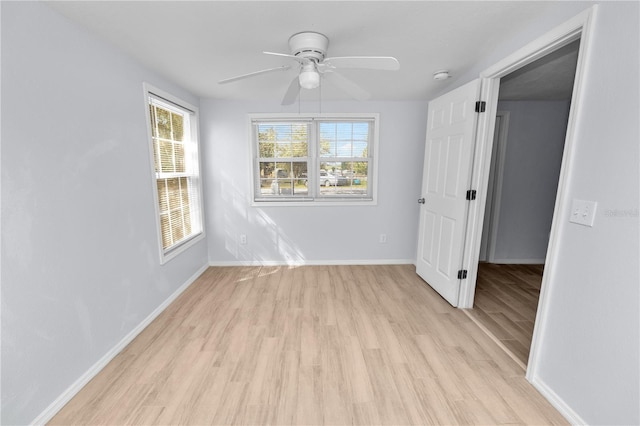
[314,158]
[174,148]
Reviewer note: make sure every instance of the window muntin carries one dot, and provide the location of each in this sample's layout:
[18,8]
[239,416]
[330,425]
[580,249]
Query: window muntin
[314,158]
[174,144]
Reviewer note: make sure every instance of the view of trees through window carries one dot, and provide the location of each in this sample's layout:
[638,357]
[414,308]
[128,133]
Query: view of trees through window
[284,151]
[312,159]
[174,154]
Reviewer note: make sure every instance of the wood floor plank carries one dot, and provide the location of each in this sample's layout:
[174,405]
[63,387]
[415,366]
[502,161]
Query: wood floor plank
[316,345]
[506,303]
[414,405]
[309,409]
[385,394]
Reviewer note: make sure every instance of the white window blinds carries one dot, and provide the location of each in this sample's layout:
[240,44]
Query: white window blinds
[175,154]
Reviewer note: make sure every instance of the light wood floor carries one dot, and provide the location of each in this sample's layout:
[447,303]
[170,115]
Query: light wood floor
[310,345]
[506,302]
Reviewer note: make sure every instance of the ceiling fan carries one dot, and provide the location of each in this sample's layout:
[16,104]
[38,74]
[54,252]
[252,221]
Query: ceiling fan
[309,49]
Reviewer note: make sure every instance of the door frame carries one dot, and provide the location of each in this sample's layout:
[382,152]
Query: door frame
[579,27]
[494,192]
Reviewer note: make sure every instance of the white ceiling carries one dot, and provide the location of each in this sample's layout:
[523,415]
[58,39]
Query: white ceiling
[195,44]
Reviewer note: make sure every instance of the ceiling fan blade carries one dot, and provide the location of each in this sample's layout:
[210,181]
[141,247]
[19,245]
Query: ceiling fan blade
[347,86]
[292,92]
[251,74]
[387,63]
[286,55]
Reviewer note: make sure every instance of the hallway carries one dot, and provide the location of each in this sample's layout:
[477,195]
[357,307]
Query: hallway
[506,303]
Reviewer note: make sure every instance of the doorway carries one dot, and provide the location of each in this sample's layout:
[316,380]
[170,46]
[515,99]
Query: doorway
[531,125]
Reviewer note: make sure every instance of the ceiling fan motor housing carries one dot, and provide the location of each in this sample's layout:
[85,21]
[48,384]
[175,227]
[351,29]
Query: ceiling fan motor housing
[310,45]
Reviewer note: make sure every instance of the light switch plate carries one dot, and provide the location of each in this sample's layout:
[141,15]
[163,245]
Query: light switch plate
[583,212]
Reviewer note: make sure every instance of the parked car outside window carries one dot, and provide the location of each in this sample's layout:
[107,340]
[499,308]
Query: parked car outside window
[329,179]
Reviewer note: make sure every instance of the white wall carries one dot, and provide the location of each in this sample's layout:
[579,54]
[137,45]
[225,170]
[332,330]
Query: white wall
[590,356]
[80,262]
[533,155]
[315,233]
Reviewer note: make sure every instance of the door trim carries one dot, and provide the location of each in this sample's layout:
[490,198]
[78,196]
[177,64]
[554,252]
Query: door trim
[494,194]
[579,27]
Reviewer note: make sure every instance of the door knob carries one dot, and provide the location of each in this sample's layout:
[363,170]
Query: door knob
[420,200]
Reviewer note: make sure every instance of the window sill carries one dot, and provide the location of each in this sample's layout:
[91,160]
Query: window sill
[166,256]
[313,203]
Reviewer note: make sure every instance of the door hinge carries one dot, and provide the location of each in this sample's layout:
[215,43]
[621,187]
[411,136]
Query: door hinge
[481,106]
[462,274]
[471,194]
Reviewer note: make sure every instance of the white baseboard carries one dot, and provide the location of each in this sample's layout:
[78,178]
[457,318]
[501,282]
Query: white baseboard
[66,396]
[517,261]
[312,262]
[557,402]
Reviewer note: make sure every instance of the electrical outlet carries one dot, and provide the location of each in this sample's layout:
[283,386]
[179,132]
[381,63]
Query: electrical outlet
[243,239]
[583,212]
[383,238]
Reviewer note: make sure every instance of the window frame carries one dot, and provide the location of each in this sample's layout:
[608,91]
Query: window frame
[314,159]
[196,206]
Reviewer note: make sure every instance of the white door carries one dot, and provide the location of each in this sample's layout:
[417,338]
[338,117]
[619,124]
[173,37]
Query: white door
[448,157]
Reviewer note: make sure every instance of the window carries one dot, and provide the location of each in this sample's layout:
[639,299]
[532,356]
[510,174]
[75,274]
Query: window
[314,158]
[174,147]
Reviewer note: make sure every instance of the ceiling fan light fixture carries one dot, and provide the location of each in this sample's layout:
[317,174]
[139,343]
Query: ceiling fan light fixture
[309,50]
[309,79]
